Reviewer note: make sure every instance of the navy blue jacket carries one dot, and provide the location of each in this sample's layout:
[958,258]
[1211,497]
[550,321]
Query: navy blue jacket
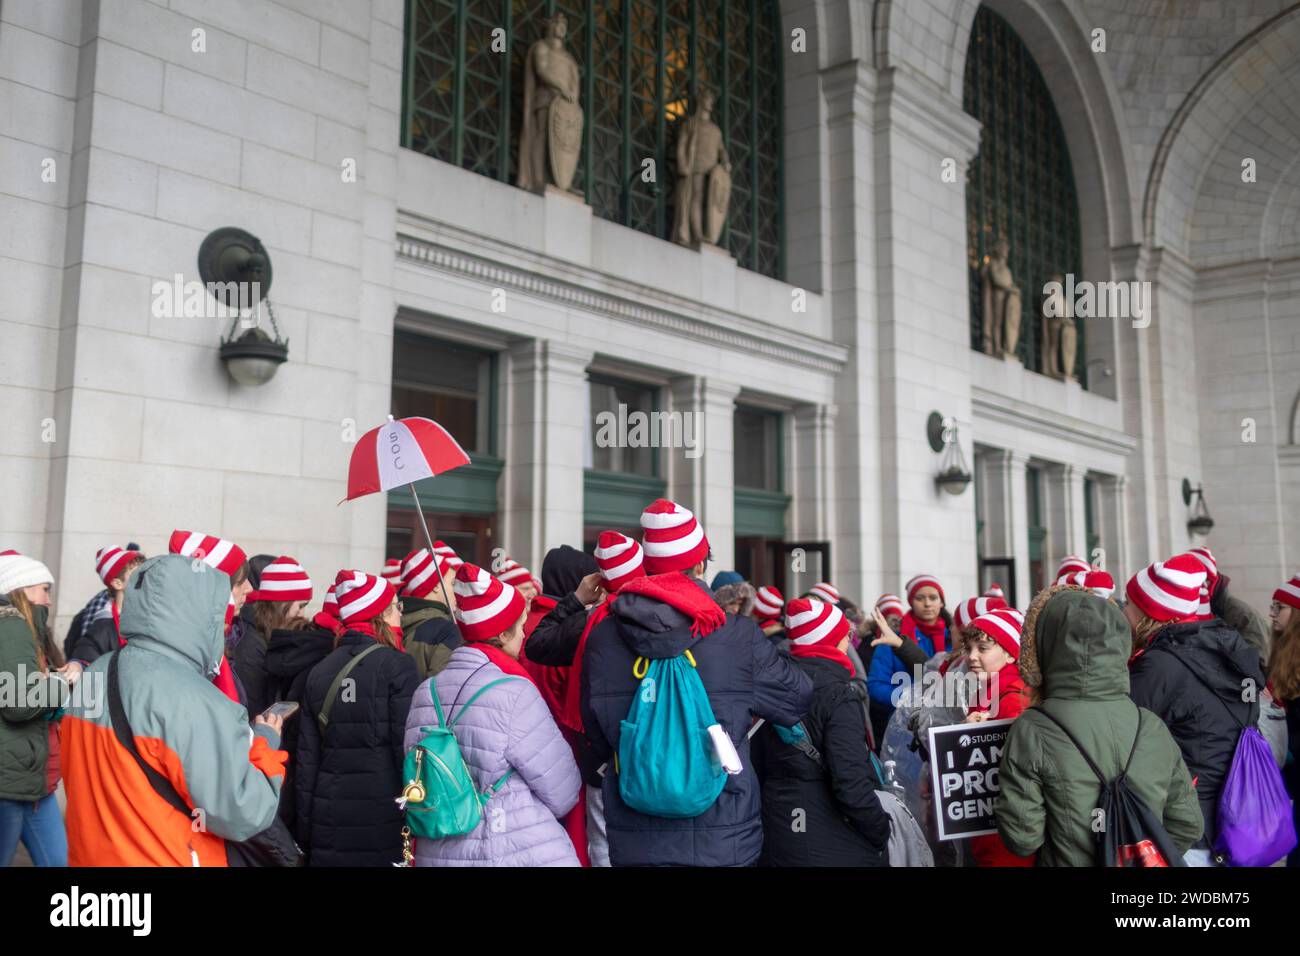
[745,677]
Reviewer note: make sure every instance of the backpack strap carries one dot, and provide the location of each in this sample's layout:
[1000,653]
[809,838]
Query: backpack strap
[477,694]
[323,718]
[1101,778]
[126,737]
[1078,746]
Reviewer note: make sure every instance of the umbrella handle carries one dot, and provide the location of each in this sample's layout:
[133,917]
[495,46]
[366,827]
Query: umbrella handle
[428,540]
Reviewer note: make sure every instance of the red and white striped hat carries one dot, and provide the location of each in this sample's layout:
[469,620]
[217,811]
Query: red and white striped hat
[923,581]
[1206,557]
[421,572]
[619,558]
[889,604]
[1289,593]
[486,607]
[110,561]
[1169,590]
[225,556]
[673,539]
[1203,610]
[445,553]
[1072,564]
[1098,582]
[7,552]
[825,591]
[1003,626]
[971,608]
[392,572]
[361,596]
[331,605]
[282,580]
[810,621]
[995,591]
[515,574]
[767,604]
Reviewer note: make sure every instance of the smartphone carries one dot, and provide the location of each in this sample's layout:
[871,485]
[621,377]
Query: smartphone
[285,709]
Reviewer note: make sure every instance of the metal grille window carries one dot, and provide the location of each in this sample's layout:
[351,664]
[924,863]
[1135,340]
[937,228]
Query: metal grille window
[1020,183]
[643,64]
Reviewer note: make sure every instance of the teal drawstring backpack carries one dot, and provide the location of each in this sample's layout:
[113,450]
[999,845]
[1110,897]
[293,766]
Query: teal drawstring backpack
[666,763]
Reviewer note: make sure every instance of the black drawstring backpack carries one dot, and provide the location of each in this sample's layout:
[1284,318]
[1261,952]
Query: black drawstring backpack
[1131,834]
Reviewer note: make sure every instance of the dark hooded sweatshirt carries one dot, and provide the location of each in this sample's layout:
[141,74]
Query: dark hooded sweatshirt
[1193,676]
[289,657]
[744,676]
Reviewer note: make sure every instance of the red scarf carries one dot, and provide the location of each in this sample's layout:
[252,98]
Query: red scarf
[934,631]
[225,681]
[575,821]
[827,652]
[117,626]
[502,660]
[327,622]
[678,591]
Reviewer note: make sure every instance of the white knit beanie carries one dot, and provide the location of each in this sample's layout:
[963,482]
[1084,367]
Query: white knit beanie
[19,571]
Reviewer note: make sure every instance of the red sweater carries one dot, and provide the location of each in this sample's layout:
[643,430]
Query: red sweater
[1007,700]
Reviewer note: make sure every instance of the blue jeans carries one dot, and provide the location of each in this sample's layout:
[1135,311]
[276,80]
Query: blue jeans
[39,825]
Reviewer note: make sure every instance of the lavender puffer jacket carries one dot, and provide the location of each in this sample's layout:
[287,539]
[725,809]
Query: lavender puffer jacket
[509,726]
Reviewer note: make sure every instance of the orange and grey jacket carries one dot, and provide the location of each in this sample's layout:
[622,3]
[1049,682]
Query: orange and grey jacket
[173,616]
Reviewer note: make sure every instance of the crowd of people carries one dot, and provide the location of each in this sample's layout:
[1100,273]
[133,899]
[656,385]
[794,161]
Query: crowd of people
[616,711]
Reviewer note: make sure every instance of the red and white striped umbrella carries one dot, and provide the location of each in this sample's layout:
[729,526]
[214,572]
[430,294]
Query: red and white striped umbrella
[401,452]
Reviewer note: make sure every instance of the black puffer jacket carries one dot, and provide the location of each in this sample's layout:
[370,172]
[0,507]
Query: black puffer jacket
[100,638]
[290,656]
[349,779]
[744,677]
[1205,721]
[555,638]
[248,661]
[822,814]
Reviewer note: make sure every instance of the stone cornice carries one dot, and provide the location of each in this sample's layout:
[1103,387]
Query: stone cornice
[692,320]
[925,113]
[994,407]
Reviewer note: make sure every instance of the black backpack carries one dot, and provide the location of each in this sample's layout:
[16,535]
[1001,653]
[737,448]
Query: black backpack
[1131,834]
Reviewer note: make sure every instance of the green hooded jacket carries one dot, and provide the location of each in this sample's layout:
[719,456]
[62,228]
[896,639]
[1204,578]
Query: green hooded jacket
[1048,794]
[26,704]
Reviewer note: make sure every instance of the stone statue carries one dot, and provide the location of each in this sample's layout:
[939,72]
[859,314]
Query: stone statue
[1069,348]
[1000,297]
[702,195]
[1053,318]
[551,134]
[1060,334]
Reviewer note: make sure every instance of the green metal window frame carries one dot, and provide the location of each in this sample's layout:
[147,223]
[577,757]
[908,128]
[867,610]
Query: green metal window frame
[1034,507]
[1020,184]
[643,64]
[758,511]
[608,498]
[470,489]
[1090,516]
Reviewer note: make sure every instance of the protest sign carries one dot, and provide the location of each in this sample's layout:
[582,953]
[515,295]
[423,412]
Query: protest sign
[964,761]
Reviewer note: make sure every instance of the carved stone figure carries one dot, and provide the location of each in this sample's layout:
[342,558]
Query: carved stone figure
[1053,319]
[1060,334]
[551,135]
[702,195]
[1001,303]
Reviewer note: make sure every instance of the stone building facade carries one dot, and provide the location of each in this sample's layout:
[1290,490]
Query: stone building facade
[133,128]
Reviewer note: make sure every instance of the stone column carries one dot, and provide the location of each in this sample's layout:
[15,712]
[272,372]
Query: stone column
[810,469]
[1006,519]
[703,478]
[543,491]
[1066,519]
